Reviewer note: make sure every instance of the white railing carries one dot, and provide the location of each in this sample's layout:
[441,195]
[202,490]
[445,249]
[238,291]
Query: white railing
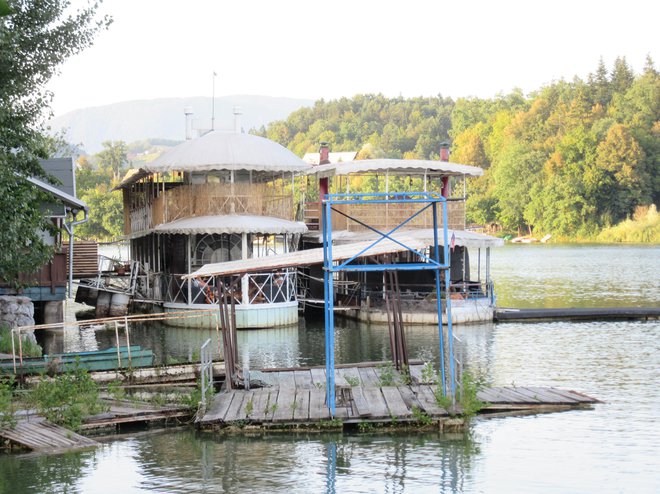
[271,288]
[260,288]
[206,371]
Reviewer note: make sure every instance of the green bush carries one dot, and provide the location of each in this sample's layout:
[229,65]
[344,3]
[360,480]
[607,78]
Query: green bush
[30,349]
[67,398]
[6,404]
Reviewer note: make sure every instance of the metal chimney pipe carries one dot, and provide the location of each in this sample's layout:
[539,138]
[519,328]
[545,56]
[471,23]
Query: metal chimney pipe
[237,119]
[187,111]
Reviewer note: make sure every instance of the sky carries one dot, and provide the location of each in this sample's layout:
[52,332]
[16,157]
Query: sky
[313,49]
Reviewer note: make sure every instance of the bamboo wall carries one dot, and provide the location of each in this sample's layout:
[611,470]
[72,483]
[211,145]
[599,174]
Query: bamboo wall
[388,216]
[208,199]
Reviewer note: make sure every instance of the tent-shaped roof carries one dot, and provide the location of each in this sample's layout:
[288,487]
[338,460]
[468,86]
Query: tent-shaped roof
[395,165]
[228,151]
[231,223]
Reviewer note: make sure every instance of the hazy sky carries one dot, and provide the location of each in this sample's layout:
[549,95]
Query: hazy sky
[313,49]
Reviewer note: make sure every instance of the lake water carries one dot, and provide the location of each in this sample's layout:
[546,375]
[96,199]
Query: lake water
[614,447]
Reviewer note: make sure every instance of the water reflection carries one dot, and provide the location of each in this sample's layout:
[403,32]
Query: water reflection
[576,275]
[302,463]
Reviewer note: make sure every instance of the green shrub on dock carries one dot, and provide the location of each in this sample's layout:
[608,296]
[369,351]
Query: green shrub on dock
[68,398]
[6,404]
[466,397]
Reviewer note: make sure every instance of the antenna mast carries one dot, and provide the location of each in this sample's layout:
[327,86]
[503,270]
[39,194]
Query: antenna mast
[213,104]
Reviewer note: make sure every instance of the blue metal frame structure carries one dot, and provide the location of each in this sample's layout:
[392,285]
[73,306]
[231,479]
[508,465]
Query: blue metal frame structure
[426,200]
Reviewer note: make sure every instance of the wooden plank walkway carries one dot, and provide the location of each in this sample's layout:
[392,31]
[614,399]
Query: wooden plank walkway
[129,412]
[40,435]
[363,394]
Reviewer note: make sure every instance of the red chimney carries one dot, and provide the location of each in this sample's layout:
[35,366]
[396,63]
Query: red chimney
[324,154]
[444,151]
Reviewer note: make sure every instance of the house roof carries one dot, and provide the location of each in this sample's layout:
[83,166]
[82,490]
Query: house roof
[228,151]
[63,197]
[220,150]
[231,223]
[395,165]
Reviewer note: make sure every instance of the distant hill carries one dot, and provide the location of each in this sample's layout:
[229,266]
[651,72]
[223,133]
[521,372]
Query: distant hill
[164,118]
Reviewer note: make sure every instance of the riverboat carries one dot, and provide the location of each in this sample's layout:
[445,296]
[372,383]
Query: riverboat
[361,295]
[221,197]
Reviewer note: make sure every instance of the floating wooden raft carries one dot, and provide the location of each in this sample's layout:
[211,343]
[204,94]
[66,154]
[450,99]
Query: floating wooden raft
[298,397]
[38,434]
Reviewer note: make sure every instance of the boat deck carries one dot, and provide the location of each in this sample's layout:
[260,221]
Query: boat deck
[364,393]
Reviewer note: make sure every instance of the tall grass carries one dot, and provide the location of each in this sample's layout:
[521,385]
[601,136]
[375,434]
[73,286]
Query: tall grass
[30,348]
[643,227]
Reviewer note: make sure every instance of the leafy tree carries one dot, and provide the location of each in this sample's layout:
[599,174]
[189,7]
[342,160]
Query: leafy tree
[113,157]
[35,38]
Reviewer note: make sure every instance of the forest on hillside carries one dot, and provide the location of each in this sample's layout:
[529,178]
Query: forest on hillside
[570,159]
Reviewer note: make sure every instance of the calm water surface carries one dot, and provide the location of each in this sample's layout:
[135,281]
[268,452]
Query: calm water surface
[611,448]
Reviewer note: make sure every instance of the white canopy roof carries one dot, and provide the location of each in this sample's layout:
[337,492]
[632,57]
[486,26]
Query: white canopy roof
[414,239]
[231,223]
[228,151]
[395,165]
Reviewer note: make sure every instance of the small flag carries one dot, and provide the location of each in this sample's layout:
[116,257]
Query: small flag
[452,243]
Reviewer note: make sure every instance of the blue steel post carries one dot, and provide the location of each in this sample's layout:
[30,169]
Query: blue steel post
[450,332]
[441,335]
[328,290]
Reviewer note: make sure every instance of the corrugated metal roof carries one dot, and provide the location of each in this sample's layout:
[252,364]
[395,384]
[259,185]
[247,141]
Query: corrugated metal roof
[228,151]
[231,223]
[394,165]
[415,239]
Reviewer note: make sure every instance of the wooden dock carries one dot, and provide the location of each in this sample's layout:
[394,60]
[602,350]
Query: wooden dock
[123,413]
[577,314]
[364,394]
[40,435]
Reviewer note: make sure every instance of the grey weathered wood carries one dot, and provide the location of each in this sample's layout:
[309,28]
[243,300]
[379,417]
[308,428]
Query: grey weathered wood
[286,398]
[318,410]
[567,396]
[499,395]
[369,378]
[240,412]
[352,374]
[369,401]
[428,402]
[286,379]
[409,398]
[219,407]
[395,403]
[259,404]
[360,402]
[303,379]
[376,401]
[301,413]
[40,435]
[340,380]
[318,377]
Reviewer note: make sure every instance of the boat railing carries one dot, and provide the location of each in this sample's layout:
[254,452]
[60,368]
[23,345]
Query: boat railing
[270,288]
[261,288]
